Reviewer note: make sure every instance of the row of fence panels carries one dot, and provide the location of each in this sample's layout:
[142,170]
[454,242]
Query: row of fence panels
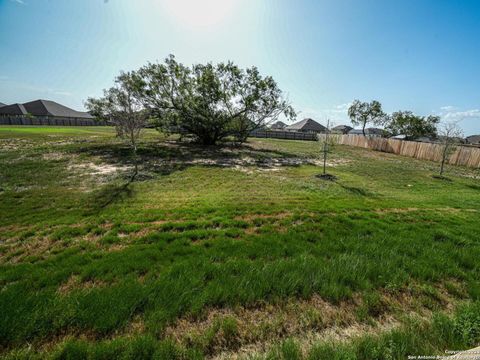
[463,155]
[287,135]
[16,120]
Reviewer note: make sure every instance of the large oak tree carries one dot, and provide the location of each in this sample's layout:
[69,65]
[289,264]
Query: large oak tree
[211,102]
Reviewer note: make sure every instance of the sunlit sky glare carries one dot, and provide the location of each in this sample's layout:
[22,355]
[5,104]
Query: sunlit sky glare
[419,55]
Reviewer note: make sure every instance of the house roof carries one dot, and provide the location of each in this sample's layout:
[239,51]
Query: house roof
[376,131]
[369,131]
[473,139]
[279,125]
[14,109]
[307,124]
[342,127]
[51,108]
[2,104]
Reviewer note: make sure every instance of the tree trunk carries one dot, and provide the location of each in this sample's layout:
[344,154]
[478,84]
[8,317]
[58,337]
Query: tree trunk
[208,140]
[324,157]
[363,128]
[325,147]
[135,158]
[444,158]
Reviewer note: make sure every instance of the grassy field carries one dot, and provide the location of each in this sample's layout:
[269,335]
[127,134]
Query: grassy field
[231,252]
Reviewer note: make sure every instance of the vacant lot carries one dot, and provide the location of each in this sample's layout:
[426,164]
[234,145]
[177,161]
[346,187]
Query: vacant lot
[233,252]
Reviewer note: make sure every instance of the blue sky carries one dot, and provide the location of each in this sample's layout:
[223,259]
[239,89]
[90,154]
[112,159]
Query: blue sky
[419,55]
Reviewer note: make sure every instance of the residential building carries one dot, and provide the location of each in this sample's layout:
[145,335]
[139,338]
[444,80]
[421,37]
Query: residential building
[279,125]
[474,139]
[44,112]
[342,129]
[308,126]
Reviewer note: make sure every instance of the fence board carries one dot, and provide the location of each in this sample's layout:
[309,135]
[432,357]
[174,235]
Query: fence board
[463,155]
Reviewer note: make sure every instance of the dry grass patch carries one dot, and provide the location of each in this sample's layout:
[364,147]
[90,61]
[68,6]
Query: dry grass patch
[255,329]
[252,217]
[74,282]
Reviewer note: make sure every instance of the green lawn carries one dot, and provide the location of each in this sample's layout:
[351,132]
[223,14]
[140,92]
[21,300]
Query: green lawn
[231,252]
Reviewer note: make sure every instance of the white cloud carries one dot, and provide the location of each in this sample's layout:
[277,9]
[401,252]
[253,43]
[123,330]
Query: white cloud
[343,107]
[448,108]
[21,2]
[452,114]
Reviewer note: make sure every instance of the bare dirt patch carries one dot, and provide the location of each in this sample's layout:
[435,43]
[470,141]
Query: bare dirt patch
[15,144]
[55,156]
[75,283]
[97,169]
[249,164]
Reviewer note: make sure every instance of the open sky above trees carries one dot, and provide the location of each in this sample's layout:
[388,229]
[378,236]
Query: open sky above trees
[411,55]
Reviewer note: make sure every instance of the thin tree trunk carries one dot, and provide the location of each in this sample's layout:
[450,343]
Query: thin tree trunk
[325,149]
[324,158]
[444,158]
[135,157]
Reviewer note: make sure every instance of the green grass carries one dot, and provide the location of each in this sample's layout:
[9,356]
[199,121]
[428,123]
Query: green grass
[84,256]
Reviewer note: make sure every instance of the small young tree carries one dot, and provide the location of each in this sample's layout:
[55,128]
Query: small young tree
[211,102]
[363,113]
[121,105]
[411,125]
[326,144]
[449,135]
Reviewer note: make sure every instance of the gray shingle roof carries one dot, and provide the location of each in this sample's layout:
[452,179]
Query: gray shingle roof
[307,125]
[279,125]
[2,104]
[342,127]
[51,108]
[474,139]
[14,109]
[368,131]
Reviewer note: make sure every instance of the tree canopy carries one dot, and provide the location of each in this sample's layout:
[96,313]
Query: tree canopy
[122,106]
[210,102]
[411,125]
[363,113]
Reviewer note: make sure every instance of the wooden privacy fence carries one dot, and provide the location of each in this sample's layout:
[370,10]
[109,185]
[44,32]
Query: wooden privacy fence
[463,155]
[52,121]
[289,135]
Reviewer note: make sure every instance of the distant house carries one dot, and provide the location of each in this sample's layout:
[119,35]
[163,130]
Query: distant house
[456,140]
[425,139]
[342,129]
[13,110]
[47,108]
[43,112]
[279,125]
[474,139]
[368,132]
[308,126]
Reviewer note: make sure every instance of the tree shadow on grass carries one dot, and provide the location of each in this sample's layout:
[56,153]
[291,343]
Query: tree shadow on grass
[107,195]
[166,157]
[357,191]
[474,186]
